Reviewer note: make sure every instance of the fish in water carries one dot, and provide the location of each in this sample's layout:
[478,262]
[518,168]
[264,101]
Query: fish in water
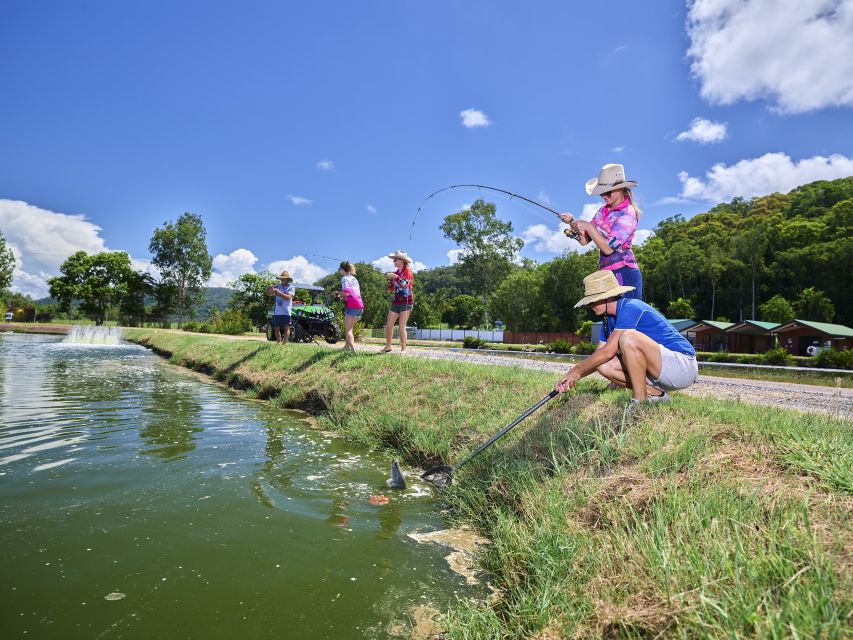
[397,479]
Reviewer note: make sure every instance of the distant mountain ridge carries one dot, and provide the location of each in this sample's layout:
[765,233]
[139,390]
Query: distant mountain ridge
[214,297]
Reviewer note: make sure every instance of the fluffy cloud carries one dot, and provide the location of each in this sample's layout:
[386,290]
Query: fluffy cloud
[298,200]
[772,172]
[41,240]
[797,53]
[300,268]
[387,264]
[326,165]
[454,255]
[226,269]
[474,118]
[704,131]
[371,209]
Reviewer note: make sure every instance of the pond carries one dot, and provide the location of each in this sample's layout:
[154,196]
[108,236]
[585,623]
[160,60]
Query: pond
[140,501]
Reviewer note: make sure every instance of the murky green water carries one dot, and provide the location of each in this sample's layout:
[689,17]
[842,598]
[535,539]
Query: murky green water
[137,501]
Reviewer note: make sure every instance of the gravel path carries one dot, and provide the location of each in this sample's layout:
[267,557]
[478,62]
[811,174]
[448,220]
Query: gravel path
[806,398]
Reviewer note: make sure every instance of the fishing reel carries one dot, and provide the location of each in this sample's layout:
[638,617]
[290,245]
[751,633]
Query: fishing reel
[572,232]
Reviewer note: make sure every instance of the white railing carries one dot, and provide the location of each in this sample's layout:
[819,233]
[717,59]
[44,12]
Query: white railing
[458,334]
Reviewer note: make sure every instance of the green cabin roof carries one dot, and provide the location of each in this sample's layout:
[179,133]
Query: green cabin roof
[835,330]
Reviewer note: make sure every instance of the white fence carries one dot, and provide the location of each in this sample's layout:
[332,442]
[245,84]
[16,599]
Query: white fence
[458,334]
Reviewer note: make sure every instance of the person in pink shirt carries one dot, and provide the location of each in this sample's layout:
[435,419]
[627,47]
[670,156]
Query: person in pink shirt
[613,226]
[353,304]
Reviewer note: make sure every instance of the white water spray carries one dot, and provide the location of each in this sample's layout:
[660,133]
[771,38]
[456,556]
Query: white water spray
[89,334]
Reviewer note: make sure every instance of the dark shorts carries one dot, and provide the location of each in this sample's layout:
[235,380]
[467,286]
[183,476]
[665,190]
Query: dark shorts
[630,277]
[400,308]
[354,313]
[280,322]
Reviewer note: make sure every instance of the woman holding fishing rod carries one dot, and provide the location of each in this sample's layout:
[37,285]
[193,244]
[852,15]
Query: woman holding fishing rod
[400,284]
[613,226]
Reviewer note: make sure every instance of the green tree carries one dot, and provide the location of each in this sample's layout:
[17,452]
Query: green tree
[562,287]
[680,308]
[97,282]
[520,301]
[251,297]
[179,251]
[465,312]
[488,247]
[777,310]
[7,265]
[814,305]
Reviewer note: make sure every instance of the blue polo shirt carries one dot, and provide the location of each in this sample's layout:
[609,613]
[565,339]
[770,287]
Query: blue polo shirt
[636,314]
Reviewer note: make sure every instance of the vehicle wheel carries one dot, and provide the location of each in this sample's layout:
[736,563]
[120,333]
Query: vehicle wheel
[297,333]
[333,333]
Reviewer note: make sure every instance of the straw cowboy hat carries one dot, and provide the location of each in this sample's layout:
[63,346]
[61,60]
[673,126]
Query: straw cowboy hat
[611,177]
[285,275]
[600,286]
[401,255]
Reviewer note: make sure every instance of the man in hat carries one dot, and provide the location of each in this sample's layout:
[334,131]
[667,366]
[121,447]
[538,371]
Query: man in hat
[284,293]
[638,348]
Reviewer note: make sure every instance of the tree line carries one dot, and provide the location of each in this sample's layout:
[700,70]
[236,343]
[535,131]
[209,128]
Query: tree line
[770,258]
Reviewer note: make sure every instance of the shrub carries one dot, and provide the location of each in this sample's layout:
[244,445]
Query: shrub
[720,356]
[191,326]
[230,322]
[560,346]
[831,359]
[471,342]
[777,356]
[748,359]
[584,348]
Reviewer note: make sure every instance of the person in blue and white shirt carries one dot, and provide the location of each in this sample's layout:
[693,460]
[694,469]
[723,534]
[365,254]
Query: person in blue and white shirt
[639,349]
[283,304]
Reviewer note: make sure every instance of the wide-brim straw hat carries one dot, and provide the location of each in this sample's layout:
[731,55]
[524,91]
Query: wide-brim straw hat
[611,177]
[401,255]
[285,275]
[600,286]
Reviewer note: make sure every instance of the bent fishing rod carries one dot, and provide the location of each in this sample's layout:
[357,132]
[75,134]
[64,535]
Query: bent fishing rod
[571,232]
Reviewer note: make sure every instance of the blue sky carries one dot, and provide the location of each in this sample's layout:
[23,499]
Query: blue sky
[303,129]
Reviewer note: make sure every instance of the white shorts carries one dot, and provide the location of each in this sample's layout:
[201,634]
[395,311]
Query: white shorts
[677,370]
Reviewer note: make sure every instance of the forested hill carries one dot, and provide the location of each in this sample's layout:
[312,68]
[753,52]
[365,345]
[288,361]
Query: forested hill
[733,259]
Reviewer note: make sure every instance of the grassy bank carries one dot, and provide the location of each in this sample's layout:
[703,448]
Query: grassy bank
[700,519]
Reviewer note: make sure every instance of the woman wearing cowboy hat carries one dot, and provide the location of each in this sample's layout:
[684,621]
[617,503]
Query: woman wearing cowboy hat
[400,284]
[637,348]
[613,226]
[283,304]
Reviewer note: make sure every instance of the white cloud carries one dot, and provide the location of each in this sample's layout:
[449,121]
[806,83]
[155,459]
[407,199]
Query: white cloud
[545,239]
[326,165]
[772,172]
[300,268]
[386,264]
[454,255]
[641,235]
[589,210]
[298,200]
[41,240]
[618,149]
[371,208]
[474,118]
[620,48]
[704,131]
[227,268]
[798,53]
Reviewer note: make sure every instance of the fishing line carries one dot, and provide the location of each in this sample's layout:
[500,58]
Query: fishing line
[511,195]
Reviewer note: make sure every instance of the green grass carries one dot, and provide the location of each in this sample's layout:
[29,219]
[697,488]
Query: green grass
[699,519]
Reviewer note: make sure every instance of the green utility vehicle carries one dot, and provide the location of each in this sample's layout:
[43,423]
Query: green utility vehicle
[311,318]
